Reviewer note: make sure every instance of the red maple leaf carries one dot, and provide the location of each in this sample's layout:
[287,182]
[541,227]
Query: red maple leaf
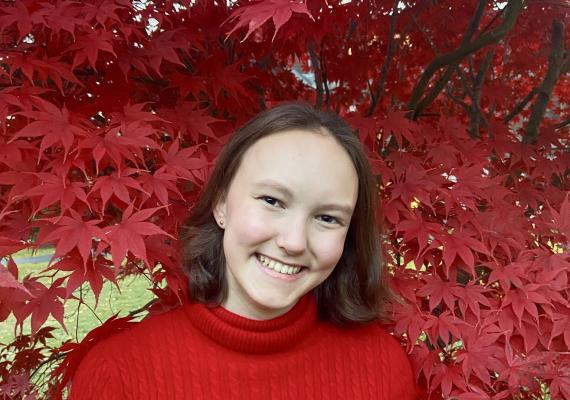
[13,294]
[470,297]
[53,125]
[73,232]
[459,245]
[438,290]
[562,219]
[255,15]
[181,162]
[561,326]
[560,384]
[10,246]
[161,184]
[401,127]
[481,356]
[134,113]
[55,189]
[417,229]
[45,301]
[416,184]
[520,370]
[448,376]
[218,78]
[88,46]
[507,275]
[117,144]
[190,120]
[11,153]
[524,299]
[128,234]
[411,321]
[18,14]
[93,272]
[42,69]
[117,184]
[443,326]
[105,10]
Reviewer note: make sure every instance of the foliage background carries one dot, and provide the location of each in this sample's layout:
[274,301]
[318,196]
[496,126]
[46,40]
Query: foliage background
[113,111]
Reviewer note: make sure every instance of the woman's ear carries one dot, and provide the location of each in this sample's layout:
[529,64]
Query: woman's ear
[220,211]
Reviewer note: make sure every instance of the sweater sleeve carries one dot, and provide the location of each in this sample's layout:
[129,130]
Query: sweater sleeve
[98,376]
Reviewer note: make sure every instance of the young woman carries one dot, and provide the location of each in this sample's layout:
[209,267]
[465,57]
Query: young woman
[286,281]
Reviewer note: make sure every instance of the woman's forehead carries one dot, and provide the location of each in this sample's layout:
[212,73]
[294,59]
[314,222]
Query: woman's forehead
[303,161]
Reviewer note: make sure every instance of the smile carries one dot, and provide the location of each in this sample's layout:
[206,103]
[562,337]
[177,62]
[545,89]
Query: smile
[278,266]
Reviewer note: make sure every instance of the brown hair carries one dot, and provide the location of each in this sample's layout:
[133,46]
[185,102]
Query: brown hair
[356,289]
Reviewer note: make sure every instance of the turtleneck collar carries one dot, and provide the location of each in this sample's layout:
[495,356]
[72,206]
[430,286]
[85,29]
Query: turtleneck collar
[251,336]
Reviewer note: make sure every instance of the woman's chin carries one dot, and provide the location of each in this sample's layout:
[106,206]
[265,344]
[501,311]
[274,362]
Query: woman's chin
[270,306]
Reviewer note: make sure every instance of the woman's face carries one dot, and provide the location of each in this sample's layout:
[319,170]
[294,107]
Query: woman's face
[286,216]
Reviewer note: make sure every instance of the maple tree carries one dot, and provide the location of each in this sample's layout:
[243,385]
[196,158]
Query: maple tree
[113,112]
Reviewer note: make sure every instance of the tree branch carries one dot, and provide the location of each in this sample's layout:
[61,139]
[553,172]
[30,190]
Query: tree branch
[442,81]
[521,105]
[316,64]
[457,100]
[555,63]
[452,59]
[562,124]
[426,35]
[324,75]
[476,114]
[378,93]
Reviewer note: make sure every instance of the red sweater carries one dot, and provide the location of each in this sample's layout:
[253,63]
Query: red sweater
[199,353]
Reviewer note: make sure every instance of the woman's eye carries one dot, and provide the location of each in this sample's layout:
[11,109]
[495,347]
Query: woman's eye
[329,219]
[272,201]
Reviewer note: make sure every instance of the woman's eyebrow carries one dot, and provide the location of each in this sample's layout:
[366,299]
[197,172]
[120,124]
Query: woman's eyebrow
[269,183]
[345,209]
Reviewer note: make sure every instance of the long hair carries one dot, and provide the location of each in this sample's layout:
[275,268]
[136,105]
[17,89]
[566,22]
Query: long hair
[356,289]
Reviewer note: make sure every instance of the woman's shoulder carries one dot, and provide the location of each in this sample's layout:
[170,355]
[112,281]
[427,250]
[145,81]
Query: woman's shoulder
[154,325]
[152,334]
[373,339]
[110,362]
[374,352]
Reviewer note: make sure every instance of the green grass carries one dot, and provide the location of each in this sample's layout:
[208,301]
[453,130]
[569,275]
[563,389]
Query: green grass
[82,318]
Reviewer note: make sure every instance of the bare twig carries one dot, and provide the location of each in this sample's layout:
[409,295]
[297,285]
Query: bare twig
[435,90]
[521,105]
[457,100]
[134,313]
[353,24]
[324,76]
[316,64]
[555,63]
[492,21]
[476,115]
[378,93]
[562,124]
[422,29]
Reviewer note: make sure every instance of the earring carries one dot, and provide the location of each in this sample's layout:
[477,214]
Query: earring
[221,223]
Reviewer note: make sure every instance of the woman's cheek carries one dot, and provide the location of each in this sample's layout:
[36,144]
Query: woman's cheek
[251,224]
[330,249]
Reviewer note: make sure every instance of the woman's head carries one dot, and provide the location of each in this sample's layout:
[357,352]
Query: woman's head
[289,208]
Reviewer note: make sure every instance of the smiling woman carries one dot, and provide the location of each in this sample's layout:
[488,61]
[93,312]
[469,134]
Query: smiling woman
[286,282]
[281,215]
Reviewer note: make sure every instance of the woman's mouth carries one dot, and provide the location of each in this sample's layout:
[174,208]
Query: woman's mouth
[274,265]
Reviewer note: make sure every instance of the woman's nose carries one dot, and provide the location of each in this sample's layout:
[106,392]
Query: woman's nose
[292,236]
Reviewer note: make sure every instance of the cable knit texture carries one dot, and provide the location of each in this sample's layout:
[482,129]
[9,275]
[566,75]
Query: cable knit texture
[196,352]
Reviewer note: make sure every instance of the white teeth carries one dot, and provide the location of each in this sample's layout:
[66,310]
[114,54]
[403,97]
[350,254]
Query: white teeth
[279,267]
